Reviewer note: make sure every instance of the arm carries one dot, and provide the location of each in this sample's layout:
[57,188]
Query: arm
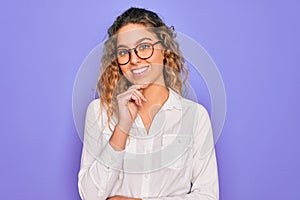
[205,185]
[103,152]
[96,178]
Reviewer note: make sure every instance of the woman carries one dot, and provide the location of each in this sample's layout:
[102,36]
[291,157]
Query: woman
[142,139]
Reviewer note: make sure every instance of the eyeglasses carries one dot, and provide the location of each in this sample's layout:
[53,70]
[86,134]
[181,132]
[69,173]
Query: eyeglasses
[143,51]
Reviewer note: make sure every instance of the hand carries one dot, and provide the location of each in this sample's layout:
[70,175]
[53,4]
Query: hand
[128,103]
[117,197]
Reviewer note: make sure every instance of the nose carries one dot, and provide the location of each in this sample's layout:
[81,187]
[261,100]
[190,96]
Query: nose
[134,58]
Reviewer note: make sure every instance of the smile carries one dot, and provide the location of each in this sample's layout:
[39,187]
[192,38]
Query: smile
[140,71]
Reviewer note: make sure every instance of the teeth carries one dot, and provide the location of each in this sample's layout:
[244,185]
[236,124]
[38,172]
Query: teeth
[140,70]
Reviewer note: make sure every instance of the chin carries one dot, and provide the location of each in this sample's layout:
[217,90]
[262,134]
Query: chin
[139,82]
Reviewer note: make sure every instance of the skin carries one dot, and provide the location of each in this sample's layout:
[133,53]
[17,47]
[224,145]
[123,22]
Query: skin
[128,37]
[148,91]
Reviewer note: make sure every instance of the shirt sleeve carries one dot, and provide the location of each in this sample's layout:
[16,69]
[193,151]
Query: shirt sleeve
[100,163]
[205,184]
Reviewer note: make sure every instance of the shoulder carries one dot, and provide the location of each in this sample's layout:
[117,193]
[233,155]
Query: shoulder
[96,109]
[188,106]
[193,106]
[94,102]
[96,113]
[93,106]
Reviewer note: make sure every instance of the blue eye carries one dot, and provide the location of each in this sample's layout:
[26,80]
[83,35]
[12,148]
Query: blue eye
[122,52]
[144,46]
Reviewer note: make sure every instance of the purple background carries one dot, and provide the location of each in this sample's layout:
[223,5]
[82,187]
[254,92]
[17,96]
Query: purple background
[255,45]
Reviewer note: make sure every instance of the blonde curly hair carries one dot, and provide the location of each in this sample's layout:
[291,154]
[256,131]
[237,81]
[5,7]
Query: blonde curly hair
[111,81]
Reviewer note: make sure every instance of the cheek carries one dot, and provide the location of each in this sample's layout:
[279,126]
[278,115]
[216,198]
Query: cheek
[157,58]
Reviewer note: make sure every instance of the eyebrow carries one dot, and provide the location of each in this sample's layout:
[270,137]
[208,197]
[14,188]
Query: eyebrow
[137,42]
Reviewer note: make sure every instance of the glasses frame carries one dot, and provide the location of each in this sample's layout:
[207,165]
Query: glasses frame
[136,52]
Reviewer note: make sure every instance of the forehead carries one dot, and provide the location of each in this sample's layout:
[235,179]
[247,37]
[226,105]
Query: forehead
[129,34]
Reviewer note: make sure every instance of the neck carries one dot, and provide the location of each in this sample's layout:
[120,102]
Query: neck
[155,94]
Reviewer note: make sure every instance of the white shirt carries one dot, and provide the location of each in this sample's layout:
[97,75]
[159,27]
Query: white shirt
[174,161]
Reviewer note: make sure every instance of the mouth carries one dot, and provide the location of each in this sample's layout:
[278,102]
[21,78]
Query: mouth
[140,71]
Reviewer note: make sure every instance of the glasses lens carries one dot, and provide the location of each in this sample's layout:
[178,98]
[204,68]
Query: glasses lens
[123,56]
[144,50]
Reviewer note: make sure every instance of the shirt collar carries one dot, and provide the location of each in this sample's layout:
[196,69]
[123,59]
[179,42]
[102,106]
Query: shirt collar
[173,101]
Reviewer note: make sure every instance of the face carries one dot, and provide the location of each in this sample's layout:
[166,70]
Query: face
[138,70]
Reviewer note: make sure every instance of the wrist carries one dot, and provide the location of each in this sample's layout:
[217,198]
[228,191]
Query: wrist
[124,126]
[118,138]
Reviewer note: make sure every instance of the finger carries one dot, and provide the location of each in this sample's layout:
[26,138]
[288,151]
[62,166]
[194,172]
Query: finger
[127,95]
[139,100]
[135,98]
[139,90]
[140,95]
[131,93]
